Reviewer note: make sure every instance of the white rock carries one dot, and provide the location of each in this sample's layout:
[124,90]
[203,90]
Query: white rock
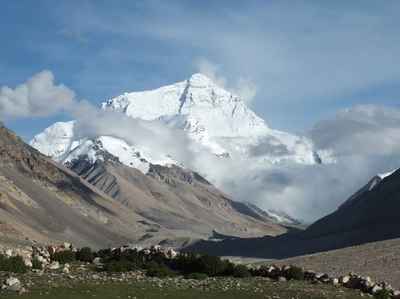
[12,281]
[333,280]
[65,270]
[344,279]
[28,263]
[54,266]
[376,289]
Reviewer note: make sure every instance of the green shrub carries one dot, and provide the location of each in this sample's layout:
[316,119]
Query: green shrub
[36,264]
[263,272]
[13,264]
[63,257]
[108,255]
[241,271]
[120,266]
[159,270]
[211,265]
[229,268]
[186,262]
[197,276]
[85,254]
[295,273]
[383,294]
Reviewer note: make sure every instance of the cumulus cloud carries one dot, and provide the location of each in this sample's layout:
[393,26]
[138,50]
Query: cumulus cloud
[244,87]
[38,97]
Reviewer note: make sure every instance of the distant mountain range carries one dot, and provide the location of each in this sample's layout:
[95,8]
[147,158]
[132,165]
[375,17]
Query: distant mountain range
[212,117]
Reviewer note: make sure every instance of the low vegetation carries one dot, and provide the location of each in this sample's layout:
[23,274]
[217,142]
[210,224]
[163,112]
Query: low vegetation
[294,272]
[13,264]
[64,257]
[85,254]
[383,294]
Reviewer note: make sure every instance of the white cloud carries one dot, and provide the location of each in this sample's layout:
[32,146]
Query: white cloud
[245,88]
[38,97]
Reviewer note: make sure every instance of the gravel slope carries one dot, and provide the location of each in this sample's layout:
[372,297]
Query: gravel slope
[379,260]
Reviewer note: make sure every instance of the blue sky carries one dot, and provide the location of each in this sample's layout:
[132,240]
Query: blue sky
[307,59]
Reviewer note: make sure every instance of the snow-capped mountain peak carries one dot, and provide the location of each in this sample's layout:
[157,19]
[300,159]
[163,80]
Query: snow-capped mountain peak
[213,117]
[221,112]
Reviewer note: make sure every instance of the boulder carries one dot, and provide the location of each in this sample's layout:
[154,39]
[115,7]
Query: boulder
[333,280]
[369,284]
[12,281]
[54,266]
[51,250]
[375,290]
[65,270]
[396,294]
[172,253]
[28,263]
[15,287]
[156,247]
[344,279]
[66,245]
[96,261]
[281,279]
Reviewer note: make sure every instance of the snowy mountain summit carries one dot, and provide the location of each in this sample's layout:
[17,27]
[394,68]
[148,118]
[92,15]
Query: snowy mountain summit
[217,119]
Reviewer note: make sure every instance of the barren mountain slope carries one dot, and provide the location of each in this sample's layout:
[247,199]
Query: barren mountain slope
[176,198]
[43,200]
[368,216]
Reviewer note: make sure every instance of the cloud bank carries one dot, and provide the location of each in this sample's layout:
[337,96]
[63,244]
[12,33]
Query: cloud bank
[363,140]
[38,97]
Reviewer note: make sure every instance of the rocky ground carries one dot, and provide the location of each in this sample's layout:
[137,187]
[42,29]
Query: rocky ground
[268,281]
[84,281]
[379,260]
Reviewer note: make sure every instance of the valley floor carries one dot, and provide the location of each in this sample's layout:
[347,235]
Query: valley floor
[379,260]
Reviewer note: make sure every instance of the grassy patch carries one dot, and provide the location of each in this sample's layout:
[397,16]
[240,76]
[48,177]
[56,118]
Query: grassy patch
[249,288]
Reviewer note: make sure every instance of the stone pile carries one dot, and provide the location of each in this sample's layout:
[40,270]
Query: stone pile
[41,253]
[155,251]
[353,281]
